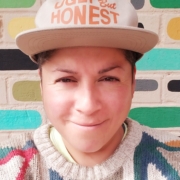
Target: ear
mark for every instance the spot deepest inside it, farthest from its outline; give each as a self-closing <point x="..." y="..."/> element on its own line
<point x="133" y="81"/>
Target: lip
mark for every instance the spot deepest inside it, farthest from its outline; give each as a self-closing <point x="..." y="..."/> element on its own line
<point x="90" y="126"/>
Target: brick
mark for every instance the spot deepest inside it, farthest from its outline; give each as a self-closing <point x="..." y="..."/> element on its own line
<point x="150" y="22"/>
<point x="18" y="5"/>
<point x="160" y="59"/>
<point x="20" y="119"/>
<point x="147" y="7"/>
<point x="165" y="4"/>
<point x="167" y="95"/>
<point x="157" y="117"/>
<point x="14" y="59"/>
<point x="24" y="91"/>
<point x="138" y="4"/>
<point x="27" y="91"/>
<point x="173" y="28"/>
<point x="1" y="29"/>
<point x="166" y="25"/>
<point x="16" y="23"/>
<point x="148" y="96"/>
<point x="3" y="98"/>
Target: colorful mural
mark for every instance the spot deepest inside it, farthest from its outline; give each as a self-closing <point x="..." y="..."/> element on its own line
<point x="157" y="94"/>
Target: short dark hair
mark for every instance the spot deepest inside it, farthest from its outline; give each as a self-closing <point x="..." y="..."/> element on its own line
<point x="43" y="57"/>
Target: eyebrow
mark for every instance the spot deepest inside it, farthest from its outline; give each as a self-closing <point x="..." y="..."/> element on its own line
<point x="99" y="72"/>
<point x="65" y="70"/>
<point x="109" y="69"/>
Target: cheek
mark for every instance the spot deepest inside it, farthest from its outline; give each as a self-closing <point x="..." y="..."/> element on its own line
<point x="118" y="100"/>
<point x="56" y="103"/>
<point x="118" y="106"/>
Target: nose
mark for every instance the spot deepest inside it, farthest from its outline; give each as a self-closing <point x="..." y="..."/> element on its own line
<point x="87" y="100"/>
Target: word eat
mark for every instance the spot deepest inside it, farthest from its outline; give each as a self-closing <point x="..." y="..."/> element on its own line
<point x="103" y="3"/>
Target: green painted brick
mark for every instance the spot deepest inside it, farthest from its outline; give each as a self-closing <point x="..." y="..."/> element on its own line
<point x="16" y="3"/>
<point x="165" y="3"/>
<point x="160" y="59"/>
<point x="157" y="117"/>
<point x="26" y="91"/>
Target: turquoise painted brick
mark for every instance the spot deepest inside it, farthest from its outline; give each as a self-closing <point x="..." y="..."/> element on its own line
<point x="160" y="59"/>
<point x="19" y="119"/>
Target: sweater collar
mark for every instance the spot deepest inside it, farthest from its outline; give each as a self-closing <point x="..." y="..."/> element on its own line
<point x="57" y="162"/>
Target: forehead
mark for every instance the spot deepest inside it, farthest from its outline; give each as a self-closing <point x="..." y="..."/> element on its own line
<point x="85" y="55"/>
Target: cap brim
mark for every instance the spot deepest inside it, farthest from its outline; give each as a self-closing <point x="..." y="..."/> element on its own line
<point x="38" y="40"/>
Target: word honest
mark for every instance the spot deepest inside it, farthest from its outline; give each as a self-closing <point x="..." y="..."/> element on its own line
<point x="79" y="15"/>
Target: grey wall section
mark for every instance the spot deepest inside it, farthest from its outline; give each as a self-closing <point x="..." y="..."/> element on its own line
<point x="146" y="85"/>
<point x="138" y="4"/>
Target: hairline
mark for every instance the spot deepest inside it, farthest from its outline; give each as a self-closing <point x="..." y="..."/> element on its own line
<point x="43" y="57"/>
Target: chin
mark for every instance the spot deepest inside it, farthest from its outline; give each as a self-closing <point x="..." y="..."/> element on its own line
<point x="90" y="147"/>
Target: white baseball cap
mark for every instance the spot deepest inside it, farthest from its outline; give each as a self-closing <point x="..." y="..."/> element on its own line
<point x="95" y="23"/>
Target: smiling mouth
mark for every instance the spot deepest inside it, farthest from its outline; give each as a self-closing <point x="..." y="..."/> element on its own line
<point x="89" y="125"/>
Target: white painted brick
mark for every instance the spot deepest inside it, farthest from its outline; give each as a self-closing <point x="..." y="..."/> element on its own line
<point x="150" y="22"/>
<point x="1" y="28"/>
<point x="3" y="95"/>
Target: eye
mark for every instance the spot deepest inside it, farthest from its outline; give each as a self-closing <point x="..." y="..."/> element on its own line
<point x="65" y="80"/>
<point x="109" y="78"/>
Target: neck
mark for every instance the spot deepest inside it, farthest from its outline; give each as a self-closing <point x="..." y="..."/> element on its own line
<point x="91" y="159"/>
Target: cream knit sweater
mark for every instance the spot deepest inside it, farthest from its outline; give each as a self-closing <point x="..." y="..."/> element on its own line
<point x="145" y="154"/>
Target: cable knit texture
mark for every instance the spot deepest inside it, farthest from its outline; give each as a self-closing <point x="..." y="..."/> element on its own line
<point x="145" y="154"/>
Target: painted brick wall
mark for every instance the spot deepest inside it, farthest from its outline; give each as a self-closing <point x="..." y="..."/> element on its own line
<point x="157" y="97"/>
<point x="156" y="102"/>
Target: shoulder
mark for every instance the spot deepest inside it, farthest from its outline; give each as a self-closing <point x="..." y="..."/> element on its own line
<point x="17" y="154"/>
<point x="158" y="151"/>
<point x="18" y="147"/>
<point x="17" y="140"/>
<point x="155" y="135"/>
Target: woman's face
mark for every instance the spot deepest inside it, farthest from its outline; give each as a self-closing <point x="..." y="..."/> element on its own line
<point x="87" y="95"/>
